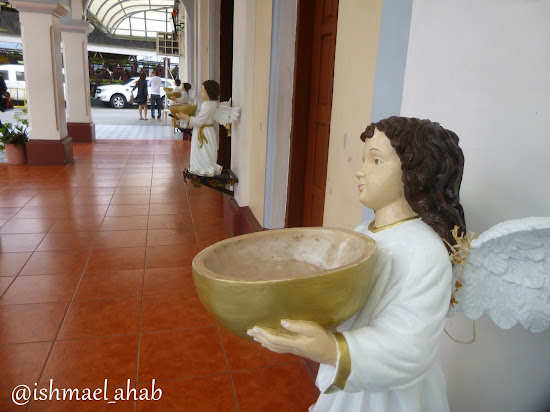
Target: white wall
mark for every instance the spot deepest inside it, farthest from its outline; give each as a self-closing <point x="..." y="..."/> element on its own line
<point x="482" y="69"/>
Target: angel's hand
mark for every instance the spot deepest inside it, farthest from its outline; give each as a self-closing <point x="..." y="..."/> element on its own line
<point x="182" y="116"/>
<point x="306" y="339"/>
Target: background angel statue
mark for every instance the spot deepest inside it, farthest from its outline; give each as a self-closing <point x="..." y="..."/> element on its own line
<point x="204" y="142"/>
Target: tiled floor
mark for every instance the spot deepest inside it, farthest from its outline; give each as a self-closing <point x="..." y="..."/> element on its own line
<point x="96" y="284"/>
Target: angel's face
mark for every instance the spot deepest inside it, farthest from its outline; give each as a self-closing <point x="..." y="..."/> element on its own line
<point x="380" y="178"/>
<point x="204" y="95"/>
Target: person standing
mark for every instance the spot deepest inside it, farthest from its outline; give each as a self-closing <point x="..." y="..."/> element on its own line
<point x="3" y="94"/>
<point x="141" y="97"/>
<point x="154" y="84"/>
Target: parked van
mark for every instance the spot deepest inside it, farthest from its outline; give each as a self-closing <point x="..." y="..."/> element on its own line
<point x="14" y="75"/>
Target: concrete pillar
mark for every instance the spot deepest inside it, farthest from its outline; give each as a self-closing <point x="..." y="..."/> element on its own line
<point x="74" y="34"/>
<point x="41" y="35"/>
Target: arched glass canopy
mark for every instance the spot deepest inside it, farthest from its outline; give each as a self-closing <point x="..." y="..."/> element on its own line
<point x="132" y="18"/>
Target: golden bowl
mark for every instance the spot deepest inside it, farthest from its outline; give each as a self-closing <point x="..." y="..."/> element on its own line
<point x="317" y="274"/>
<point x="189" y="109"/>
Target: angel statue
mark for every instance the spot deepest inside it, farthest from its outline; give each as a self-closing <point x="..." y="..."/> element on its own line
<point x="204" y="142"/>
<point x="384" y="357"/>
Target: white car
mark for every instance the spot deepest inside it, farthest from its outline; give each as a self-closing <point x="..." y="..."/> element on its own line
<point x="118" y="95"/>
<point x="14" y="76"/>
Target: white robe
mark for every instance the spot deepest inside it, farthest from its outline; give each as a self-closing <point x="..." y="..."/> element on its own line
<point x="204" y="159"/>
<point x="393" y="339"/>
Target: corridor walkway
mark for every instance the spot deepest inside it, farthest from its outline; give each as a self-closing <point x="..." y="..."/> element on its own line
<point x="95" y="284"/>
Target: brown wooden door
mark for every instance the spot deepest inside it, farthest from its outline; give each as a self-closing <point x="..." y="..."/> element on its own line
<point x="320" y="106"/>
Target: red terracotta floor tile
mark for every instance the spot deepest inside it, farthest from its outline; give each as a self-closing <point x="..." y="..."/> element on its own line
<point x="169" y="256"/>
<point x="37" y="212"/>
<point x="100" y="183"/>
<point x="141" y="175"/>
<point x="91" y="199"/>
<point x="160" y="281"/>
<point x="11" y="263"/>
<point x="14" y="201"/>
<point x="9" y="406"/>
<point x="168" y="209"/>
<point x="31" y="323"/>
<point x="77" y="224"/>
<point x="206" y="394"/>
<point x="85" y="211"/>
<point x="21" y="365"/>
<point x="128" y="210"/>
<point x="134" y="182"/>
<point x="133" y="190"/>
<point x="158" y="190"/>
<point x="20" y="242"/>
<point x="180" y="354"/>
<point x="312" y="366"/>
<point x="5" y="282"/>
<point x="115" y="284"/>
<point x="56" y="262"/>
<point x="170" y="222"/>
<point x="121" y="238"/>
<point x="277" y="388"/>
<point x="178" y="197"/>
<point x="101" y="317"/>
<point x="67" y="241"/>
<point x="50" y="201"/>
<point x="83" y="363"/>
<point x="116" y="259"/>
<point x="128" y="199"/>
<point x="124" y="223"/>
<point x="8" y="212"/>
<point x="96" y="191"/>
<point x="40" y="289"/>
<point x="244" y="354"/>
<point x="165" y="237"/>
<point x="18" y="191"/>
<point x="165" y="312"/>
<point x="27" y="226"/>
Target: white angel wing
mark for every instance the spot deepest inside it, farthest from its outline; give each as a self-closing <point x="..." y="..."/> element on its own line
<point x="226" y="114"/>
<point x="507" y="275"/>
<point x="192" y="94"/>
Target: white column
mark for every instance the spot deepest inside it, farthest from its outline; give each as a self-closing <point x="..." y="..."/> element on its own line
<point x="41" y="37"/>
<point x="74" y="34"/>
<point x="243" y="93"/>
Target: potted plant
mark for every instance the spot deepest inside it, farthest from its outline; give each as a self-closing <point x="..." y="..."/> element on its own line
<point x="13" y="137"/>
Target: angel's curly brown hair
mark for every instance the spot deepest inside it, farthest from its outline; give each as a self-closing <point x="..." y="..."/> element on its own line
<point x="212" y="88"/>
<point x="432" y="165"/>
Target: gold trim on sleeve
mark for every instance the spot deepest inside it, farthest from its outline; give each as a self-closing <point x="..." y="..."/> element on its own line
<point x="343" y="365"/>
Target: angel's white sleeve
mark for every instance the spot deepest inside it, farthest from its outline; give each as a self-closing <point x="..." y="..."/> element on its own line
<point x="201" y="118"/>
<point x="399" y="345"/>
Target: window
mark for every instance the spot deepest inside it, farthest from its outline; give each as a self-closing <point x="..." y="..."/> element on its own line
<point x="20" y="76"/>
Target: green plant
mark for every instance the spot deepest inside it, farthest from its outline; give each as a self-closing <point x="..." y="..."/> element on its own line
<point x="15" y="133"/>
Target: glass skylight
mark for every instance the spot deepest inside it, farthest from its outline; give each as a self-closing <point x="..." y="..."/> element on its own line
<point x="132" y="18"/>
